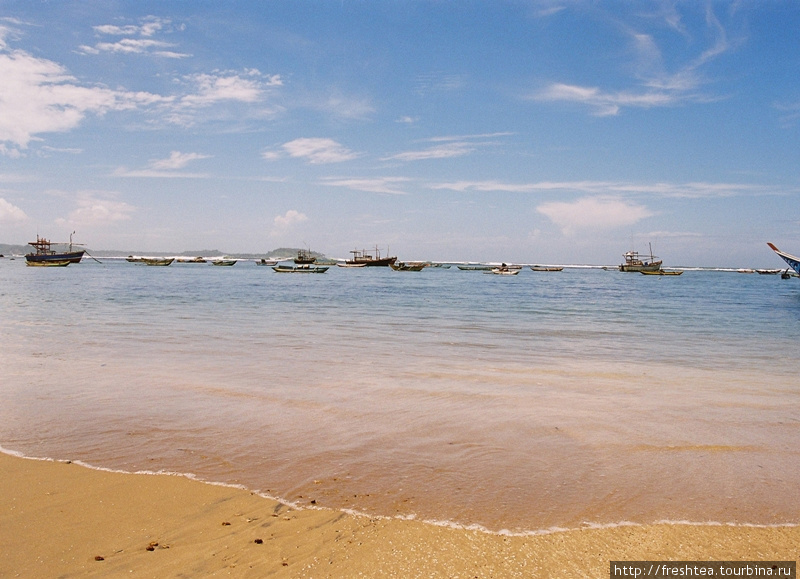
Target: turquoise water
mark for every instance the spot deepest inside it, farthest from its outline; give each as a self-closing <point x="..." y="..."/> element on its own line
<point x="547" y="399"/>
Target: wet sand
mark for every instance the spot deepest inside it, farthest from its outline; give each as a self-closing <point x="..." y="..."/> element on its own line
<point x="60" y="519"/>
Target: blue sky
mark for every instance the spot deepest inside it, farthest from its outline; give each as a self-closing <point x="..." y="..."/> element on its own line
<point x="553" y="132"/>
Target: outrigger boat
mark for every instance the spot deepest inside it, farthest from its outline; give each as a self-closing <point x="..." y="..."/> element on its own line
<point x="402" y="266"/>
<point x="546" y="268"/>
<point x="162" y="261"/>
<point x="794" y="262"/>
<point x="304" y="268"/>
<point x="635" y="263"/>
<point x="61" y="263"/>
<point x="662" y="272"/>
<point x="45" y="253"/>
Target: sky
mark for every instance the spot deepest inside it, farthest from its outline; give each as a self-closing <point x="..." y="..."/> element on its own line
<point x="563" y="132"/>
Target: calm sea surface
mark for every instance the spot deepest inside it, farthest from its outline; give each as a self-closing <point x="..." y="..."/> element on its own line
<point x="517" y="403"/>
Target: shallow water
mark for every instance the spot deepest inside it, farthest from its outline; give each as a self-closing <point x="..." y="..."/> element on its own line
<point x="547" y="399"/>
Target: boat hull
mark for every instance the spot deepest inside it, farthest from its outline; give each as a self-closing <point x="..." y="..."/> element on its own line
<point x="300" y="269"/>
<point x="68" y="256"/>
<point x="794" y="262"/>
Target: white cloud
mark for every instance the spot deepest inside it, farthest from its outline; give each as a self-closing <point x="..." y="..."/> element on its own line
<point x="669" y="190"/>
<point x="176" y="160"/>
<point x="377" y="185"/>
<point x="141" y="45"/>
<point x="11" y="213"/>
<point x="604" y="103"/>
<point x="444" y="151"/>
<point x="222" y="86"/>
<point x="39" y="96"/>
<point x="96" y="210"/>
<point x="289" y="219"/>
<point x="593" y="213"/>
<point x="319" y="150"/>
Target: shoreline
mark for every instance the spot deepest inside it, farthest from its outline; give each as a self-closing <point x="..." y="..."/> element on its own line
<point x="57" y="517"/>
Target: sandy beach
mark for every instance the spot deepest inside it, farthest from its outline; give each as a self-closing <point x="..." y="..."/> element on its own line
<point x="60" y="519"/>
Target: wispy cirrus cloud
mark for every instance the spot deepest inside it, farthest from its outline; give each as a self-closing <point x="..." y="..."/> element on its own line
<point x="176" y="160"/>
<point x="138" y="39"/>
<point x="654" y="85"/>
<point x="11" y="213"/>
<point x="692" y="190"/>
<point x="448" y="147"/>
<point x="314" y="150"/>
<point x="387" y="185"/>
<point x="593" y="213"/>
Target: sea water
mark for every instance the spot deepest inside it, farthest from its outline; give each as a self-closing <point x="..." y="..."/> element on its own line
<point x="509" y="403"/>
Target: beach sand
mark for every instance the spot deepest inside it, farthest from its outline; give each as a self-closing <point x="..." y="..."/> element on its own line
<point x="57" y="519"/>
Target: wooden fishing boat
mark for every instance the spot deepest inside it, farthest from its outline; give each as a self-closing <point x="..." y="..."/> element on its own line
<point x="44" y="252"/>
<point x="304" y="268"/>
<point x="794" y="262"/>
<point x="662" y="272"/>
<point x="224" y="262"/>
<point x="634" y="262"/>
<point x="402" y="266"/>
<point x="304" y="257"/>
<point x="162" y="261"/>
<point x="190" y="260"/>
<point x="370" y="258"/>
<point x="269" y="262"/>
<point x="475" y="267"/>
<point x="346" y="264"/>
<point x="50" y="263"/>
<point x="501" y="271"/>
<point x="768" y="271"/>
<point x="546" y="268"/>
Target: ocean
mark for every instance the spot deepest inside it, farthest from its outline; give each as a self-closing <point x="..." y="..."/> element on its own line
<point x="513" y="404"/>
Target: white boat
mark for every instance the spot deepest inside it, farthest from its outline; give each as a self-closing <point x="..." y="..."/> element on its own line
<point x="303" y="268"/>
<point x="346" y="264"/>
<point x="794" y="262"/>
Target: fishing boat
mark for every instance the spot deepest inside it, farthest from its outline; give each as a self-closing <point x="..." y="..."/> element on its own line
<point x="162" y="261"/>
<point x="633" y="262"/>
<point x="269" y="262"/>
<point x="225" y="262"/>
<point x="50" y="263"/>
<point x="370" y="258"/>
<point x="303" y="268"/>
<point x="768" y="271"/>
<point x="346" y="264"/>
<point x="505" y="270"/>
<point x="546" y="268"/>
<point x="134" y="259"/>
<point x="475" y="267"/>
<point x="794" y="262"/>
<point x="403" y="266"/>
<point x="44" y="252"/>
<point x="304" y="257"/>
<point x="662" y="272"/>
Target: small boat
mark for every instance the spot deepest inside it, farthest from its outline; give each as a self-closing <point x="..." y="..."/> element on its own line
<point x="546" y="268"/>
<point x="163" y="261"/>
<point x="269" y="262"/>
<point x="662" y="272"/>
<point x="304" y="257"/>
<point x="304" y="268"/>
<point x="441" y="265"/>
<point x="475" y="267"/>
<point x="346" y="264"/>
<point x="227" y="262"/>
<point x="505" y="270"/>
<point x="794" y="262"/>
<point x="45" y="253"/>
<point x="50" y="263"/>
<point x="190" y="260"/>
<point x="370" y="258"/>
<point x="134" y="259"/>
<point x="633" y="262"/>
<point x="403" y="266"/>
<point x="768" y="271"/>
